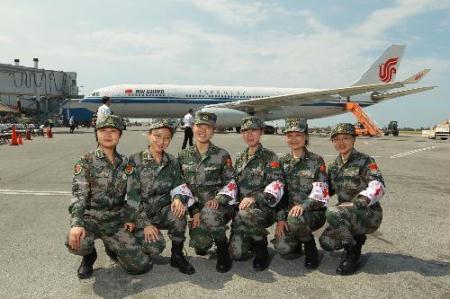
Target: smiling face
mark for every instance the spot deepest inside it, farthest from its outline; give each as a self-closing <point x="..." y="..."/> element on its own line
<point x="159" y="139"/>
<point x="343" y="143"/>
<point x="252" y="137"/>
<point x="296" y="140"/>
<point x="108" y="137"/>
<point x="203" y="133"/>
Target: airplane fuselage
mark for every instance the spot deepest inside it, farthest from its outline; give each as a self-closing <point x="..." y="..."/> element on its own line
<point x="151" y="101"/>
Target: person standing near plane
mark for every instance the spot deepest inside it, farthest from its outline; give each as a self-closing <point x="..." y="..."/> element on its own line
<point x="260" y="184"/>
<point x="72" y="124"/>
<point x="307" y="195"/>
<point x="98" y="208"/>
<point x="208" y="171"/>
<point x="163" y="197"/>
<point x="357" y="181"/>
<point x="104" y="110"/>
<point x="188" y="121"/>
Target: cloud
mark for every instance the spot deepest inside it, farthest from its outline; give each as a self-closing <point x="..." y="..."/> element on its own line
<point x="380" y="20"/>
<point x="233" y="12"/>
<point x="5" y="40"/>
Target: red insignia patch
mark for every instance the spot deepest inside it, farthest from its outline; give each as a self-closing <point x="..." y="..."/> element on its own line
<point x="231" y="186"/>
<point x="323" y="168"/>
<point x="274" y="164"/>
<point x="77" y="169"/>
<point x="129" y="169"/>
<point x="373" y="166"/>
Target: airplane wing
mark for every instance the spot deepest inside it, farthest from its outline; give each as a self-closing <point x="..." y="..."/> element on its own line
<point x="395" y="94"/>
<point x="268" y="103"/>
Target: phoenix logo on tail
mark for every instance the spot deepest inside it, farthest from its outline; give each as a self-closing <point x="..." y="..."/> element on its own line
<point x="387" y="69"/>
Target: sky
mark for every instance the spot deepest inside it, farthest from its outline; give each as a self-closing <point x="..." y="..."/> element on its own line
<point x="313" y="44"/>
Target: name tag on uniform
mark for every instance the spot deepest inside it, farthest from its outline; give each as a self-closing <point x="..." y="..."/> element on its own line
<point x="351" y="171"/>
<point x="306" y="173"/>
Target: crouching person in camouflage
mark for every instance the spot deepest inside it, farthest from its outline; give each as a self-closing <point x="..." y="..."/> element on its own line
<point x="260" y="184"/>
<point x="158" y="186"/>
<point x="307" y="194"/>
<point x="98" y="208"/>
<point x="358" y="184"/>
<point x="208" y="171"/>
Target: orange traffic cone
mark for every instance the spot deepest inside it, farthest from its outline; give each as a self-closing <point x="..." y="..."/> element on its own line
<point x="14" y="136"/>
<point x="28" y="134"/>
<point x="49" y="132"/>
<point x="19" y="139"/>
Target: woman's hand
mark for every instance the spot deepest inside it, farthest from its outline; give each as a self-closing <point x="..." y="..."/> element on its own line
<point x="296" y="211"/>
<point x="281" y="227"/>
<point x="246" y="202"/>
<point x="195" y="220"/>
<point x="178" y="208"/>
<point x="76" y="235"/>
<point x="212" y="204"/>
<point x="151" y="233"/>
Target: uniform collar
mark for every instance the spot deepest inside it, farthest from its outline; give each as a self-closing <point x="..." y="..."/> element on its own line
<point x="211" y="150"/>
<point x="147" y="157"/>
<point x="353" y="154"/>
<point x="100" y="155"/>
<point x="257" y="152"/>
<point x="305" y="156"/>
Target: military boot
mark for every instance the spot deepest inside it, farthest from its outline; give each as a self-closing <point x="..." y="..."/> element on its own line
<point x="349" y="260"/>
<point x="298" y="252"/>
<point x="85" y="270"/>
<point x="311" y="254"/>
<point x="360" y="240"/>
<point x="178" y="260"/>
<point x="201" y="252"/>
<point x="112" y="255"/>
<point x="223" y="257"/>
<point x="261" y="260"/>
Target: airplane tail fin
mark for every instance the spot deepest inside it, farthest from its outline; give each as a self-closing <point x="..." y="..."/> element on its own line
<point x="384" y="69"/>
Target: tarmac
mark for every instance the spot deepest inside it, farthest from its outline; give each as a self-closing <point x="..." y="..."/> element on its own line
<point x="408" y="257"/>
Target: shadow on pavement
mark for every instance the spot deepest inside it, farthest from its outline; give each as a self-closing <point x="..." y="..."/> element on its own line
<point x="383" y="263"/>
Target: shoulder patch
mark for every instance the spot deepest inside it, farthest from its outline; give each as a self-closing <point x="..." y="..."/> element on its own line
<point x="274" y="164"/>
<point x="77" y="169"/>
<point x="129" y="169"/>
<point x="373" y="166"/>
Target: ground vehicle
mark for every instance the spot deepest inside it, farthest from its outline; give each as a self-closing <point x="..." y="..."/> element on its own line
<point x="441" y="131"/>
<point x="392" y="128"/>
<point x="365" y="125"/>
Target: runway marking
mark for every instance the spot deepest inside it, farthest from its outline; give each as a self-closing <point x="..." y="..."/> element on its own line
<point x="37" y="193"/>
<point x="412" y="152"/>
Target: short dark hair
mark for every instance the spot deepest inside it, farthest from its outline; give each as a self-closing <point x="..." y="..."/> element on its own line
<point x="190" y="110"/>
<point x="105" y="99"/>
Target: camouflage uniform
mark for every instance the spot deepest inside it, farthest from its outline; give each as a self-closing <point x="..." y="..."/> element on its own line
<point x="151" y="186"/>
<point x="253" y="175"/>
<point x="358" y="180"/>
<point x="99" y="206"/>
<point x="300" y="176"/>
<point x="206" y="175"/>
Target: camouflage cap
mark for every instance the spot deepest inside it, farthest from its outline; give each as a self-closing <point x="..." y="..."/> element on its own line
<point x="296" y="125"/>
<point x="343" y="128"/>
<point x="251" y="123"/>
<point x="206" y="118"/>
<point x="159" y="123"/>
<point x="110" y="121"/>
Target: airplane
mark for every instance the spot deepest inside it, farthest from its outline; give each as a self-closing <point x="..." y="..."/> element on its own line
<point x="232" y="103"/>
